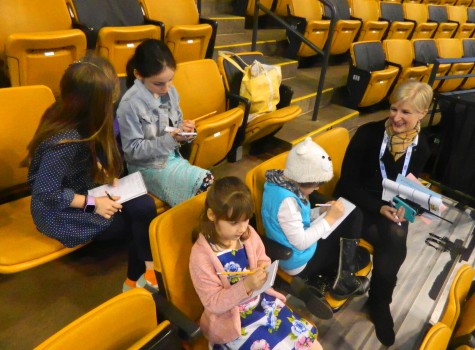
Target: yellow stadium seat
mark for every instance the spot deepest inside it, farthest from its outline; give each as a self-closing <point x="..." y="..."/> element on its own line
<point x="189" y="36"/>
<point x="203" y="99"/>
<point x="38" y="42"/>
<point x="393" y="13"/>
<point x="439" y="14"/>
<point x="263" y="125"/>
<point x="401" y="51"/>
<point x="113" y="29"/>
<point x="459" y="14"/>
<point x="371" y="77"/>
<point x="127" y="321"/>
<point x="420" y="16"/>
<point x="367" y="11"/>
<point x="21" y="245"/>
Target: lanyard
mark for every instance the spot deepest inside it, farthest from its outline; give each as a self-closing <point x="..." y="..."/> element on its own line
<point x="406" y="160"/>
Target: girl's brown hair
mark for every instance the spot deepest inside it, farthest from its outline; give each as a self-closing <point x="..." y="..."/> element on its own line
<point x="230" y="200"/>
<point x="88" y="89"/>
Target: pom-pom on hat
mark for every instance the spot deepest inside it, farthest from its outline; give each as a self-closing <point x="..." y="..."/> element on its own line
<point x="308" y="162"/>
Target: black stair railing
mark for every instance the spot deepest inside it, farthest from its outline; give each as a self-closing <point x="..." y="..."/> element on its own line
<point x="325" y="52"/>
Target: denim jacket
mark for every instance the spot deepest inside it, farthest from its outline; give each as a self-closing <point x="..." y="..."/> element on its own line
<point x="142" y="122"/>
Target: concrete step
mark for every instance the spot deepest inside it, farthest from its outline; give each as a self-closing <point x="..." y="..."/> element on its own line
<point x="229" y="24"/>
<point x="210" y="8"/>
<point x="329" y="116"/>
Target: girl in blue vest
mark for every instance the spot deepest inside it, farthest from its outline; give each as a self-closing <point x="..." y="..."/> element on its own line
<point x="317" y="247"/>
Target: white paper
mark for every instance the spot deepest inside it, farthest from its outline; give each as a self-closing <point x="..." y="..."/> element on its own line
<point x="348" y="209"/>
<point x="425" y="200"/>
<point x="129" y="187"/>
<point x="271" y="273"/>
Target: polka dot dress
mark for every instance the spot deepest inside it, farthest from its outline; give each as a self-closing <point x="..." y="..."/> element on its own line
<point x="56" y="173"/>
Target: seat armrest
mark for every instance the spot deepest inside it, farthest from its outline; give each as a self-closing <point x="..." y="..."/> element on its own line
<point x="159" y="24"/>
<point x="235" y="100"/>
<point x="275" y="250"/>
<point x="187" y="329"/>
<point x="91" y="33"/>
<point x="212" y="39"/>
<point x="286" y="93"/>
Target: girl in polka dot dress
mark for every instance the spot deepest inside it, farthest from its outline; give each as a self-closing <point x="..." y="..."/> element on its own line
<point x="228" y="244"/>
<point x="74" y="150"/>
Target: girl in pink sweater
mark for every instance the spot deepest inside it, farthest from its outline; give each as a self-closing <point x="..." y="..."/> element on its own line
<point x="227" y="243"/>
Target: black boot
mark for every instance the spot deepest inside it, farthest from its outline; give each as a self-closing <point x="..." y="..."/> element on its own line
<point x="346" y="283"/>
<point x="315" y="303"/>
<point x="380" y="297"/>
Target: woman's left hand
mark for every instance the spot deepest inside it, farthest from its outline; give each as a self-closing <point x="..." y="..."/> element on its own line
<point x="186" y="126"/>
<point x="393" y="214"/>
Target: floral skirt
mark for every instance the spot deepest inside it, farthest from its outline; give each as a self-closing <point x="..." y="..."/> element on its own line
<point x="267" y="323"/>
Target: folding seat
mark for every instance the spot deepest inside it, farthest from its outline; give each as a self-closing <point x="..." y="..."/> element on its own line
<point x="393" y="13"/>
<point x="401" y="52"/>
<point x="439" y="15"/>
<point x="189" y="36"/>
<point x="22" y="246"/>
<point x="335" y="142"/>
<point x="370" y="77"/>
<point x="367" y="11"/>
<point x="418" y="14"/>
<point x="306" y="17"/>
<point x="113" y="28"/>
<point x="425" y="52"/>
<point x="452" y="48"/>
<point x="203" y="99"/>
<point x="263" y="125"/>
<point x="440" y="334"/>
<point x="346" y="28"/>
<point x="468" y="45"/>
<point x="465" y="3"/>
<point x="137" y="329"/>
<point x="459" y="14"/>
<point x="38" y="42"/>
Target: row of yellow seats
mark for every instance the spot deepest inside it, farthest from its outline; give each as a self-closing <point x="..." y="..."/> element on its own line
<point x="38" y="40"/>
<point x="456" y="327"/>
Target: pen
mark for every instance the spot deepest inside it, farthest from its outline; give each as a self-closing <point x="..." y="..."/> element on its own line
<point x="110" y="197"/>
<point x="235" y="273"/>
<point x="323" y="205"/>
<point x="397" y="218"/>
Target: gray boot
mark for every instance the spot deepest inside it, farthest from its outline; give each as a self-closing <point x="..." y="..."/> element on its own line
<point x="346" y="283"/>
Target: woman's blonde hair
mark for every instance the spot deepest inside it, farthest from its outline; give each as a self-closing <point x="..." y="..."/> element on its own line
<point x="88" y="90"/>
<point x="418" y="94"/>
<point x="230" y="200"/>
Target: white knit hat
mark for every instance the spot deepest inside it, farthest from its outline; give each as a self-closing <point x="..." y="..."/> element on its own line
<point x="308" y="162"/>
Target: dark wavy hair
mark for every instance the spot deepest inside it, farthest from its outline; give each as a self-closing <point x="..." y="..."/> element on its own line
<point x="151" y="57"/>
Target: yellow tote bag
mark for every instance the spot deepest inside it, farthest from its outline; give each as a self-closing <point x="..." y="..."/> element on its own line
<point x="260" y="84"/>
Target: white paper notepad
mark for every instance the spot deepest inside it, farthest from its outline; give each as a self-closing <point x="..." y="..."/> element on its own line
<point x="129" y="187"/>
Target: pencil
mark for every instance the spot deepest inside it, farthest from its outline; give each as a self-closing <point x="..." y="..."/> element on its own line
<point x="235" y="273"/>
<point x="110" y="197"/>
<point x="323" y="205"/>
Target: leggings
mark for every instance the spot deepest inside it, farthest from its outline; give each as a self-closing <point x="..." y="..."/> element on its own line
<point x="389" y="242"/>
<point x="326" y="258"/>
<point x="133" y="224"/>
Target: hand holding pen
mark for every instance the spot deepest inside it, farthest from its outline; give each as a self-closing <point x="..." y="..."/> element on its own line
<point x="115" y="198"/>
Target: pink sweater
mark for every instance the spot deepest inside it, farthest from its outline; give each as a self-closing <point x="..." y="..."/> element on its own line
<point x="221" y="322"/>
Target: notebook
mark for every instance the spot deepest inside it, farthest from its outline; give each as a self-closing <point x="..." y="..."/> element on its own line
<point x="348" y="209"/>
<point x="129" y="187"/>
<point x="271" y="273"/>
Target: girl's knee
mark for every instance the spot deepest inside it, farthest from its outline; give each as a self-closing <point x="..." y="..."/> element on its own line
<point x="207" y="182"/>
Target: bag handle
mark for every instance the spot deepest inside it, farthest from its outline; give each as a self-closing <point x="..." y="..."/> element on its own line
<point x="225" y="55"/>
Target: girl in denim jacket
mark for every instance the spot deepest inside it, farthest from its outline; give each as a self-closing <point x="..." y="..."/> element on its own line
<point x="150" y="120"/>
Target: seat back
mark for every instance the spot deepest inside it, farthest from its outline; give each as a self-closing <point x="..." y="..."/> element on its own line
<point x="369" y="80"/>
<point x="21" y="109"/>
<point x="368" y="12"/>
<point x="38" y="42"/>
<point x="452" y="48"/>
<point x="439" y="14"/>
<point x="185" y="36"/>
<point x="399" y="28"/>
<point x="419" y="14"/>
<point x="459" y="14"/>
<point x="203" y="99"/>
<point x="437" y="338"/>
<point x="311" y="10"/>
<point x="334" y="142"/>
<point x="121" y="322"/>
<point x="171" y="242"/>
<point x="457" y="295"/>
<point x="21" y="245"/>
<point x="401" y="51"/>
<point x="114" y="28"/>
